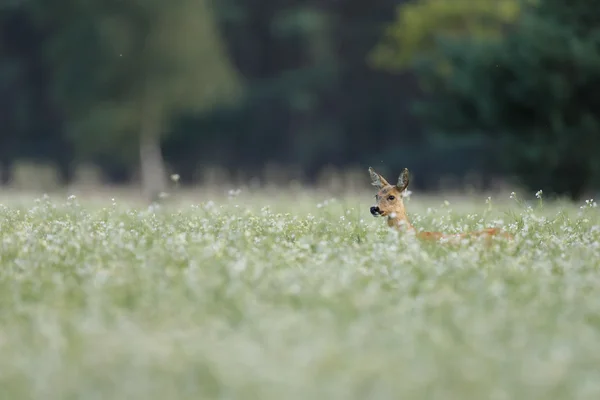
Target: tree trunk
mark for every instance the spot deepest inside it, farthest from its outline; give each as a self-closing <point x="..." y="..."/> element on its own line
<point x="5" y="171"/>
<point x="152" y="168"/>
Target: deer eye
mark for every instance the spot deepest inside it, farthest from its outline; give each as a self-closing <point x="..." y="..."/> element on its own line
<point x="390" y="198"/>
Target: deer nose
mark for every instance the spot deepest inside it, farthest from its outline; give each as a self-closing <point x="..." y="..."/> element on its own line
<point x="375" y="210"/>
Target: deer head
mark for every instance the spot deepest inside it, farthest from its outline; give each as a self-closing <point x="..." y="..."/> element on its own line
<point x="389" y="197"/>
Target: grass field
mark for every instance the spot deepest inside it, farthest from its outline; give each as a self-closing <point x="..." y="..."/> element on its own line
<point x="297" y="297"/>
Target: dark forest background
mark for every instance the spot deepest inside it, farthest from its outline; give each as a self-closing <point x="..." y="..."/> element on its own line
<point x="145" y="88"/>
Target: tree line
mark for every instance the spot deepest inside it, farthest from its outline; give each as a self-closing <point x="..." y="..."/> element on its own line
<point x="441" y="86"/>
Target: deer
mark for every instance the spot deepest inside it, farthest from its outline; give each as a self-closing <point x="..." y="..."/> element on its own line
<point x="390" y="204"/>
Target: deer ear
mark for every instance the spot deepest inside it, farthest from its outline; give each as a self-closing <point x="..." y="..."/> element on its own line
<point x="403" y="180"/>
<point x="377" y="180"/>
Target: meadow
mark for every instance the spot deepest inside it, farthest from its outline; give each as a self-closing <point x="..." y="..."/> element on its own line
<point x="296" y="296"/>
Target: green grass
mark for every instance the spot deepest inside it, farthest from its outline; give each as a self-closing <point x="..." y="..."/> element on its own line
<point x="257" y="297"/>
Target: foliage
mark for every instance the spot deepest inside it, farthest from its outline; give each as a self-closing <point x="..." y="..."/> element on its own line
<point x="534" y="93"/>
<point x="419" y="23"/>
<point x="256" y="298"/>
<point x="310" y="99"/>
<point x="117" y="63"/>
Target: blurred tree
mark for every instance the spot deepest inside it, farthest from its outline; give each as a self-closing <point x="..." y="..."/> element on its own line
<point x="286" y="51"/>
<point x="311" y="99"/>
<point x="414" y="35"/>
<point x="31" y="124"/>
<point x="535" y="92"/>
<point x="123" y="70"/>
<point x="311" y="95"/>
<point x="418" y="23"/>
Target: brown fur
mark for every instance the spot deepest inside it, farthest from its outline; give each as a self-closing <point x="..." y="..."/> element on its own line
<point x="391" y="205"/>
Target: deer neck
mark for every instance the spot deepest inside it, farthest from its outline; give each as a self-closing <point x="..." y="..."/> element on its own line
<point x="399" y="220"/>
